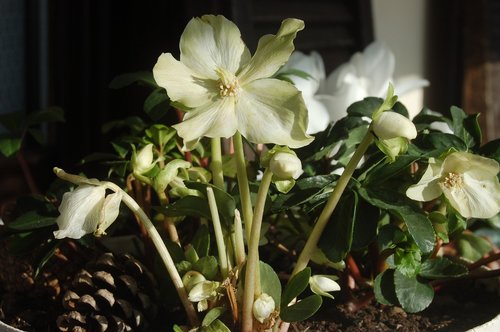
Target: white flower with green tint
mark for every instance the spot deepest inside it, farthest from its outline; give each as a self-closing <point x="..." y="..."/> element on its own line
<point x="263" y="307"/>
<point x="469" y="183"/>
<point x="224" y="89"/>
<point x="87" y="210"/>
<point x="322" y="284"/>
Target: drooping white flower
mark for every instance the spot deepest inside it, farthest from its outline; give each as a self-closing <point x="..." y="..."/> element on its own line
<point x="87" y="210"/>
<point x="313" y="66"/>
<point x="366" y="74"/>
<point x="322" y="284"/>
<point x="202" y="292"/>
<point x="263" y="307"/>
<point x="226" y="90"/>
<point x="469" y="183"/>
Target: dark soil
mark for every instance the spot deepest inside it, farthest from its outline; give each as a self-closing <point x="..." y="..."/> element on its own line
<point x="32" y="304"/>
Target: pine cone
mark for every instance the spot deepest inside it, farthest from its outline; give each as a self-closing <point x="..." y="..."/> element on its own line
<point x="113" y="293"/>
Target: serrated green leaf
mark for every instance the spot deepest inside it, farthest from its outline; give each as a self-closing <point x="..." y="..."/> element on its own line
<point x="471" y="246"/>
<point x="407" y="261"/>
<point x="9" y="146"/>
<point x="31" y="220"/>
<point x="160" y="134"/>
<point x="301" y="310"/>
<point x="295" y="286"/>
<point x="212" y="315"/>
<point x="384" y="289"/>
<point x="413" y="295"/>
<point x="442" y="267"/>
<point x="466" y="127"/>
<point x="141" y="77"/>
<point x="385" y="171"/>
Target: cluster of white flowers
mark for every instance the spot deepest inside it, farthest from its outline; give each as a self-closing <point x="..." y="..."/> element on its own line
<point x="366" y="74"/>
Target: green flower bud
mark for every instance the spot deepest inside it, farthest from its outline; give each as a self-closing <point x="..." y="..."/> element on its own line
<point x="142" y="161"/>
<point x="263" y="307"/>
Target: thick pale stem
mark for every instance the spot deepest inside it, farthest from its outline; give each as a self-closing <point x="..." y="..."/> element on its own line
<point x="239" y="245"/>
<point x="312" y="240"/>
<point x="168" y="222"/>
<point x="219" y="237"/>
<point x="153" y="233"/>
<point x="252" y="275"/>
<point x="246" y="202"/>
<point x="216" y="164"/>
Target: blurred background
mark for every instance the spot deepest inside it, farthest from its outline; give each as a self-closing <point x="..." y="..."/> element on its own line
<point x="65" y="53"/>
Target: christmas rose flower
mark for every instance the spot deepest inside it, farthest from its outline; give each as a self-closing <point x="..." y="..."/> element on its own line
<point x="469" y="183"/>
<point x="225" y="90"/>
<point x="323" y="284"/>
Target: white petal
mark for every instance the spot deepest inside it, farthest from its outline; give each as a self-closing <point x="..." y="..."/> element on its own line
<point x="75" y="208"/>
<point x="214" y="119"/>
<point x="212" y="42"/>
<point x="408" y="83"/>
<point x="318" y="115"/>
<point x="336" y="106"/>
<point x="272" y="52"/>
<point x="479" y="167"/>
<point x="109" y="212"/>
<point x="272" y="111"/>
<point x="182" y="84"/>
<point x="322" y="284"/>
<point x="428" y="187"/>
<point x="441" y="126"/>
<point x="311" y="64"/>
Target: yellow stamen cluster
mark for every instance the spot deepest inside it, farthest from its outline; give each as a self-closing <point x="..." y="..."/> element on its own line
<point x="229" y="89"/>
<point x="453" y="180"/>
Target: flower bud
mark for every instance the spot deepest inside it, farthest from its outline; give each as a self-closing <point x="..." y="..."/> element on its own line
<point x="263" y="307"/>
<point x="390" y="125"/>
<point x="191" y="278"/>
<point x="322" y="284"/>
<point x="285" y="165"/>
<point x="142" y="161"/>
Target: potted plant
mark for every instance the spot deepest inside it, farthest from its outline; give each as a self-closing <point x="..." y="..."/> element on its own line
<point x="244" y="220"/>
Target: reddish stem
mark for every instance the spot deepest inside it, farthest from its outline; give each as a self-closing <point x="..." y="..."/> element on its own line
<point x="354" y="269"/>
<point x="484" y="261"/>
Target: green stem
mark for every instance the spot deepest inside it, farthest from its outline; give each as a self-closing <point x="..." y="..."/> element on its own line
<point x="216" y="164"/>
<point x="246" y="202"/>
<point x="153" y="233"/>
<point x="312" y="240"/>
<point x="252" y="278"/>
<point x="219" y="237"/>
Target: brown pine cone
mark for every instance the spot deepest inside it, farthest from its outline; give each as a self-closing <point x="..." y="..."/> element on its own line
<point x="113" y="293"/>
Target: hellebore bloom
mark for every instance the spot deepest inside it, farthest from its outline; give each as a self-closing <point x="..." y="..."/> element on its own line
<point x="202" y="292"/>
<point x="366" y="74"/>
<point x="226" y="90"/>
<point x="87" y="210"/>
<point x="469" y="183"/>
<point x="313" y="66"/>
<point x="322" y="284"/>
<point x="263" y="307"/>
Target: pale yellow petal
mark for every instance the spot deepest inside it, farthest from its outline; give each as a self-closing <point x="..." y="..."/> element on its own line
<point x="182" y="84"/>
<point x="428" y="187"/>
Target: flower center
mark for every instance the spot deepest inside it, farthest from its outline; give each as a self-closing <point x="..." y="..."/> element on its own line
<point x="229" y="89"/>
<point x="453" y="180"/>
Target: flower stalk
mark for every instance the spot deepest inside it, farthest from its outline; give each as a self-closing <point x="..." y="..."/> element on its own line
<point x="243" y="187"/>
<point x="219" y="237"/>
<point x="216" y="164"/>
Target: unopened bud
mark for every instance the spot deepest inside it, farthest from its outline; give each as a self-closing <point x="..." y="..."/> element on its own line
<point x="392" y="125"/>
<point x="191" y="278"/>
<point x="263" y="307"/>
<point x="286" y="166"/>
<point x="142" y="161"/>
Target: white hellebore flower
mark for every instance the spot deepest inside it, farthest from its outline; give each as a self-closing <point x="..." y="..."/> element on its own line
<point x="226" y="90"/>
<point x="366" y="74"/>
<point x="469" y="182"/>
<point x="390" y="125"/>
<point x="286" y="165"/>
<point x="86" y="210"/>
<point x="202" y="292"/>
<point x="263" y="307"/>
<point x="312" y="65"/>
<point x="322" y="284"/>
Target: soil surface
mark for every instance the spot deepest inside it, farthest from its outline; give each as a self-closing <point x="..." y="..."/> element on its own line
<point x="32" y="304"/>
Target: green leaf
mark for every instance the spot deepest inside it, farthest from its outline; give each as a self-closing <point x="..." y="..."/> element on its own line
<point x="270" y="283"/>
<point x="141" y="77"/>
<point x="384" y="289"/>
<point x="13" y="122"/>
<point x="216" y="326"/>
<point x="413" y="295"/>
<point x="207" y="266"/>
<point x="212" y="315"/>
<point x="225" y="202"/>
<point x="442" y="267"/>
<point x="491" y="150"/>
<point x="50" y="114"/>
<point x="365" y="225"/>
<point x="365" y="107"/>
<point x="442" y="141"/>
<point x="389" y="236"/>
<point x="340" y="228"/>
<point x="466" y="127"/>
<point x="160" y="134"/>
<point x="156" y="104"/>
<point x="295" y="286"/>
<point x="187" y="206"/>
<point x="407" y="261"/>
<point x="471" y="246"/>
<point x="201" y="241"/>
<point x="419" y="226"/>
<point x="31" y="220"/>
<point x="9" y="146"/>
<point x="301" y="310"/>
<point x="49" y="252"/>
<point x="385" y="171"/>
